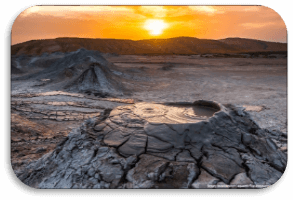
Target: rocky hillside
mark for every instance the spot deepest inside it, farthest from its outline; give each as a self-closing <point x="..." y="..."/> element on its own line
<point x="179" y="45"/>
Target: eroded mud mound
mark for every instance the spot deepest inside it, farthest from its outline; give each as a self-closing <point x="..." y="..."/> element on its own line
<point x="33" y="63"/>
<point x="96" y="79"/>
<point x="15" y="70"/>
<point x="79" y="71"/>
<point x="77" y="59"/>
<point x="146" y="145"/>
<point x="167" y="67"/>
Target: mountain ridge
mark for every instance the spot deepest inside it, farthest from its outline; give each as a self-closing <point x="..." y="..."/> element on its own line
<point x="177" y="45"/>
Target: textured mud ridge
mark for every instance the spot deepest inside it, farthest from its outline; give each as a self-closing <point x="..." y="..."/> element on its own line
<point x="176" y="145"/>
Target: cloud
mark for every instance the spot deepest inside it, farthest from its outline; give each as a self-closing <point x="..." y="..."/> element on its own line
<point x="149" y="11"/>
<point x="251" y="8"/>
<point x="140" y="11"/>
<point x="161" y="11"/>
<point x="257" y="25"/>
<point x="241" y="9"/>
<point x="72" y="11"/>
<point x="210" y="10"/>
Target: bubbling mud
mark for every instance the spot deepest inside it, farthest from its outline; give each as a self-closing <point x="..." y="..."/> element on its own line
<point x="149" y="110"/>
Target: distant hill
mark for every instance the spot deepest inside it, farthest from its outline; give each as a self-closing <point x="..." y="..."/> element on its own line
<point x="254" y="45"/>
<point x="179" y="45"/>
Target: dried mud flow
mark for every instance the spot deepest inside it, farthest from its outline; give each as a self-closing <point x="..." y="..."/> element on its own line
<point x="83" y="119"/>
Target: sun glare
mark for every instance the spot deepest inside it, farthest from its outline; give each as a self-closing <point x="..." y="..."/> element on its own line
<point x="155" y="26"/>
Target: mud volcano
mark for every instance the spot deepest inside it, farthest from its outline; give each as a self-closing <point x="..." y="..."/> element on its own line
<point x="81" y="71"/>
<point x="172" y="145"/>
<point x="96" y="79"/>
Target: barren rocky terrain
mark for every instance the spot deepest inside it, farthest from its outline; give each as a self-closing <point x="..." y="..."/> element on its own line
<point x="84" y="119"/>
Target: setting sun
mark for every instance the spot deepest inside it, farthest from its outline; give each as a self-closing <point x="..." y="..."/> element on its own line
<point x="155" y="26"/>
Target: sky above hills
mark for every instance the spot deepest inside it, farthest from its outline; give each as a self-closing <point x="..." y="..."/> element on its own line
<point x="147" y="22"/>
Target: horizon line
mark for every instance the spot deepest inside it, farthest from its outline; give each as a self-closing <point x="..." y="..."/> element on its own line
<point x="147" y="39"/>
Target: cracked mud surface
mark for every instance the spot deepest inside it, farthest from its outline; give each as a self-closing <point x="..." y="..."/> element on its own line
<point x="104" y="129"/>
<point x="129" y="148"/>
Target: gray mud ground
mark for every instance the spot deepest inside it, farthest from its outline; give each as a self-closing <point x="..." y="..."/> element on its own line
<point x="41" y="118"/>
<point x="242" y="81"/>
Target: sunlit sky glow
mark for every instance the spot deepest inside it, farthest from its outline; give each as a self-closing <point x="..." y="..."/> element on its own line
<point x="146" y="22"/>
<point x="155" y="26"/>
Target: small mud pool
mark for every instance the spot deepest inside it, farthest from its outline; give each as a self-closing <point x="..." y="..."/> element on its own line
<point x="199" y="111"/>
<point x="190" y="113"/>
<point x="177" y="113"/>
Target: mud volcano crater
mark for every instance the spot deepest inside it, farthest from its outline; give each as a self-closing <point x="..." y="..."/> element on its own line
<point x="162" y="145"/>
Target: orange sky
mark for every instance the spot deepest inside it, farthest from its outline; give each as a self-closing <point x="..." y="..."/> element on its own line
<point x="128" y="22"/>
